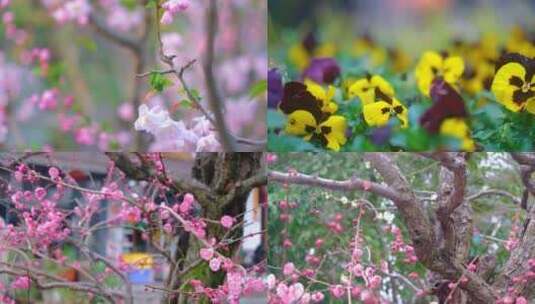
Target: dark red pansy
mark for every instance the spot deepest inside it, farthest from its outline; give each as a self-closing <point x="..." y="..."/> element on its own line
<point x="447" y="103"/>
<point x="296" y="97"/>
<point x="310" y="42"/>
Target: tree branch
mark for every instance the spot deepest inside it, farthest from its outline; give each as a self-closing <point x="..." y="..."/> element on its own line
<point x="214" y="97"/>
<point x="344" y="185"/>
<point x="130" y="43"/>
<point x="144" y="171"/>
<point x="494" y="192"/>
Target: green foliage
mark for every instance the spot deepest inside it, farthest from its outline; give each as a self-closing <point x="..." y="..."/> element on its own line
<point x="152" y="3"/>
<point x="158" y="82"/>
<point x="130" y="4"/>
<point x="258" y="88"/>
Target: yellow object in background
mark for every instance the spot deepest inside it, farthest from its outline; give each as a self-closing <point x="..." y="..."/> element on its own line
<point x="140" y="260"/>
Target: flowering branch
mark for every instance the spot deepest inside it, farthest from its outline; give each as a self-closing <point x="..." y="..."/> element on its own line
<point x="424" y="238"/>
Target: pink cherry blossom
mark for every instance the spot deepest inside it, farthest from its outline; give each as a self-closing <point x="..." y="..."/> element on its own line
<point x="288" y="269"/>
<point x="53" y="172"/>
<point x="215" y="264"/>
<point x="337" y="291"/>
<point x="317" y="297"/>
<point x="22" y="282"/>
<point x="40" y="193"/>
<point x="206" y="253"/>
<point x="227" y="221"/>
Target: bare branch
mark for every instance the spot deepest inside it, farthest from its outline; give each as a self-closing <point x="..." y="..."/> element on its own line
<point x="130" y="43"/>
<point x="494" y="192"/>
<point x="214" y="97"/>
<point x="344" y="185"/>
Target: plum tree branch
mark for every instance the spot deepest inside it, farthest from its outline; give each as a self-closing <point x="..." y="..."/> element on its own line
<point x="214" y="97"/>
<point x="144" y="171"/>
<point x="494" y="192"/>
<point x="336" y="185"/>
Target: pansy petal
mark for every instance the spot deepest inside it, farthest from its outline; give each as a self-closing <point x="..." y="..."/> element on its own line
<point x="336" y="137"/>
<point x="530" y="105"/>
<point x="430" y="61"/>
<point x="298" y="55"/>
<point x="298" y="122"/>
<point x="362" y="89"/>
<point x="377" y="113"/>
<point x="325" y="96"/>
<point x="502" y="87"/>
<point x="315" y="89"/>
<point x="457" y="127"/>
<point x="453" y="69"/>
<point x="402" y="112"/>
<point x="383" y="85"/>
<point x="331" y="107"/>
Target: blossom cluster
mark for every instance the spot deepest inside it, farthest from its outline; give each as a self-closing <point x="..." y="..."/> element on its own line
<point x="171" y="135"/>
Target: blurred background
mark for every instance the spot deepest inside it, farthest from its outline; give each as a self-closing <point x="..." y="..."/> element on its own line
<point x="414" y="25"/>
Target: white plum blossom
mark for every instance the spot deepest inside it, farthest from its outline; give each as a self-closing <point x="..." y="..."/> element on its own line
<point x="208" y="143"/>
<point x="152" y="119"/>
<point x="171" y="135"/>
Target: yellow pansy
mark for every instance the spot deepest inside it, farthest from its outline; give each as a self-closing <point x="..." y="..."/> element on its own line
<point x="365" y="46"/>
<point x="298" y="55"/>
<point x="514" y="83"/>
<point x="478" y="77"/>
<point x="331" y="132"/>
<point x="457" y="127"/>
<point x="433" y="65"/>
<point x="368" y="89"/>
<point x="327" y="49"/>
<point x="519" y="43"/>
<point x="400" y="60"/>
<point x="378" y="113"/>
<point x="325" y="96"/>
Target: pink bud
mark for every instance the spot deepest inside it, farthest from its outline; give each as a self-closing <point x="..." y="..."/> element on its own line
<point x="53" y="172"/>
<point x="206" y="253"/>
<point x="227" y="221"/>
<point x="215" y="264"/>
<point x="288" y="269"/>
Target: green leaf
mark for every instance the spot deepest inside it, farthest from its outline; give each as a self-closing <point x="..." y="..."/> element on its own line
<point x="152" y="4"/>
<point x="275" y="119"/>
<point x="186" y="103"/>
<point x="130" y="4"/>
<point x="196" y="94"/>
<point x="258" y="88"/>
<point x="285" y="143"/>
<point x="158" y="82"/>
